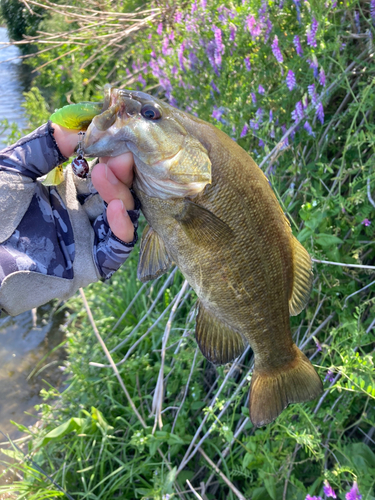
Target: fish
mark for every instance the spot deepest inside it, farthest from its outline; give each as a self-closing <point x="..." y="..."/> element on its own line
<point x="211" y="211"/>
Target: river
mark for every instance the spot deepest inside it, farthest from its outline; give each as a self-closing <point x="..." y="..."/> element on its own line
<point x="30" y="337"/>
<point x="13" y="83"/>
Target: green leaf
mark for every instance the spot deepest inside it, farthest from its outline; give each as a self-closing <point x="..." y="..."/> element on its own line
<point x="260" y="494"/>
<point x="270" y="484"/>
<point x="327" y="240"/>
<point x="74" y="424"/>
<point x="17" y="455"/>
<point x="304" y="234"/>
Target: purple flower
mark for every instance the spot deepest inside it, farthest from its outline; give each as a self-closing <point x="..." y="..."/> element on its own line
<point x="247" y="63"/>
<point x="194" y="7"/>
<point x="290" y="80"/>
<point x="276" y="50"/>
<point x="261" y="90"/>
<point x="244" y="130"/>
<point x="181" y="58"/>
<point x="298" y="113"/>
<point x="142" y="80"/>
<point x="212" y="83"/>
<point x="261" y="143"/>
<point x="311" y="33"/>
<point x="193" y="60"/>
<point x="254" y="28"/>
<point x="159" y="31"/>
<point x="178" y="17"/>
<point x="218" y="113"/>
<point x="318" y="344"/>
<point x="253" y="97"/>
<point x="330" y="376"/>
<point x="320" y="112"/>
<point x="218" y="39"/>
<point x="210" y="51"/>
<point x="232" y="32"/>
<point x="268" y="30"/>
<point x="165" y="50"/>
<point x="203" y="4"/>
<point x="271" y="116"/>
<point x="354" y="493"/>
<point x="309" y="130"/>
<point x="254" y="125"/>
<point x="328" y="490"/>
<point x="312" y="94"/>
<point x="309" y="497"/>
<point x="356" y="20"/>
<point x="366" y="222"/>
<point x="314" y="65"/>
<point x="322" y="77"/>
<point x="171" y="36"/>
<point x="372" y="9"/>
<point x="297" y="45"/>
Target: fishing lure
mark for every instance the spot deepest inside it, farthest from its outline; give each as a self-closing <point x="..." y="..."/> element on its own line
<point x="74" y="117"/>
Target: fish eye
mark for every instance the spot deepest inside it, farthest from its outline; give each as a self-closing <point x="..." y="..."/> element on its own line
<point x="150" y="112"/>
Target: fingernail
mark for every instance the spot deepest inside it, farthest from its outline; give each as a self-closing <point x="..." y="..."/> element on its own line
<point x="124" y="211"/>
<point x="110" y="176"/>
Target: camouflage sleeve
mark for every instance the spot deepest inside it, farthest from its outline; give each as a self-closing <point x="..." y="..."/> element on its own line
<point x="41" y="238"/>
<point x="34" y="155"/>
<point x="109" y="251"/>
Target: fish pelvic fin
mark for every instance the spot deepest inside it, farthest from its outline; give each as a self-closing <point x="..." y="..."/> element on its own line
<point x="302" y="278"/>
<point x="218" y="342"/>
<point x="154" y="259"/>
<point x="273" y="390"/>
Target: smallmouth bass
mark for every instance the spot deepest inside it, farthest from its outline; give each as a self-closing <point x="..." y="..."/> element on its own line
<point x="211" y="210"/>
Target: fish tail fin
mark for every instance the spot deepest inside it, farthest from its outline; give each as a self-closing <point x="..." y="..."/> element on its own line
<point x="272" y="391"/>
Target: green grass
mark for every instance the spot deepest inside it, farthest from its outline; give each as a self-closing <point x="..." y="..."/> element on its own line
<point x="90" y="440"/>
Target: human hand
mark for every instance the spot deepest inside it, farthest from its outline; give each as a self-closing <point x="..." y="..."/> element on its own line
<point x="111" y="177"/>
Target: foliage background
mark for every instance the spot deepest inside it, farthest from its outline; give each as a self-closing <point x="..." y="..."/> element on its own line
<point x="304" y="109"/>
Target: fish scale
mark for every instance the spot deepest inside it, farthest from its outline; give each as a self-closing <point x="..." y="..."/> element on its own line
<point x="212" y="211"/>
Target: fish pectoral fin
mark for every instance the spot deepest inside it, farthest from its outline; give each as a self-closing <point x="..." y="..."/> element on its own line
<point x="272" y="390"/>
<point x="218" y="342"/>
<point x="302" y="278"/>
<point x="202" y="226"/>
<point x="153" y="256"/>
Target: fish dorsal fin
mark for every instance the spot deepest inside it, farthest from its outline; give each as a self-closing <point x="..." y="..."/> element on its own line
<point x="153" y="256"/>
<point x="218" y="342"/>
<point x="302" y="278"/>
<point x="202" y="226"/>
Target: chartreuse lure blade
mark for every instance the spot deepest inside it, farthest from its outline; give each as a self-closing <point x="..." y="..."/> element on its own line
<point x="74" y="117"/>
<point x="55" y="177"/>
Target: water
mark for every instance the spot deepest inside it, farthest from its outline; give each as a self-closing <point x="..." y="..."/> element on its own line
<point x="26" y="339"/>
<point x="14" y="78"/>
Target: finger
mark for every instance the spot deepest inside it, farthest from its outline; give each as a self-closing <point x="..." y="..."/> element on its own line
<point x="66" y="139"/>
<point x="121" y="166"/>
<point x="119" y="221"/>
<point x="110" y="187"/>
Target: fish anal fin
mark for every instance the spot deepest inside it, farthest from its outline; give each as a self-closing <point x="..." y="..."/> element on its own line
<point x="272" y="391"/>
<point x="202" y="226"/>
<point x="218" y="342"/>
<point x="153" y="256"/>
<point x="302" y="278"/>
